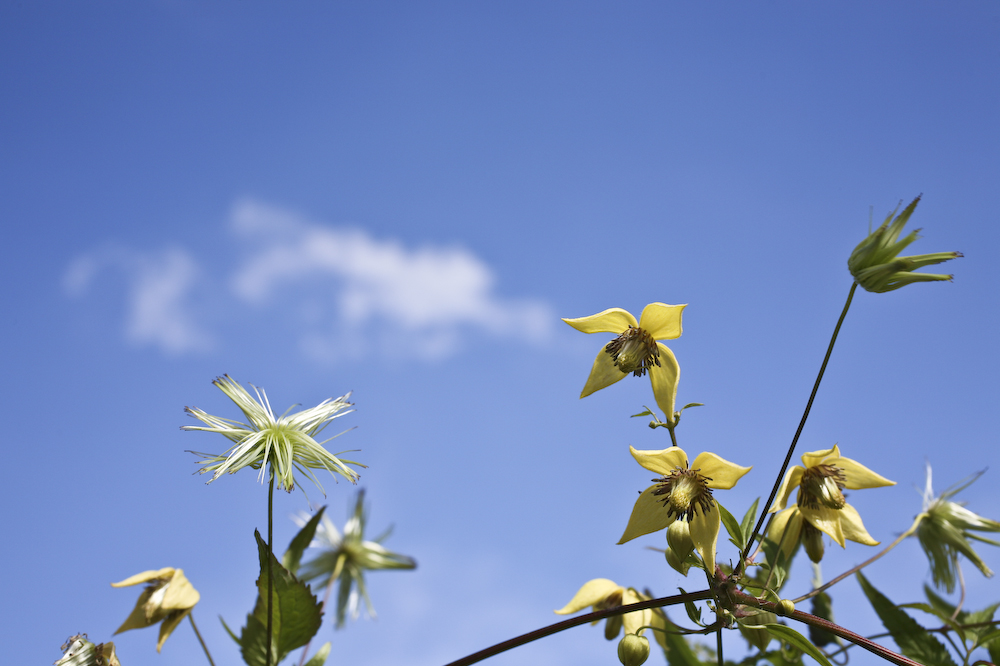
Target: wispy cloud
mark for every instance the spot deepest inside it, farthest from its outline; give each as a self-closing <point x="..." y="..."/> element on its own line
<point x="341" y="291"/>
<point x="159" y="285"/>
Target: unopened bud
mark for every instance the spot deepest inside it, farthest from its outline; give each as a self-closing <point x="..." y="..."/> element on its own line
<point x="785" y="607"/>
<point x="633" y="650"/>
<point x="812" y="540"/>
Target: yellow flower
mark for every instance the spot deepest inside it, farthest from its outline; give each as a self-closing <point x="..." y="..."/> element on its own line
<point x="636" y="350"/>
<point x="601" y="594"/>
<point x="168" y="598"/>
<point x="820" y="499"/>
<point x="683" y="493"/>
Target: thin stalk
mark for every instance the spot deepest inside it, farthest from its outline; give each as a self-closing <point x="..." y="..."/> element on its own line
<point x="798" y="431"/>
<point x="718" y="646"/>
<point x="673" y="437"/>
<point x="270" y="574"/>
<point x="326" y="597"/>
<point x="200" y="639"/>
<point x="852" y="571"/>
<point x="576" y="621"/>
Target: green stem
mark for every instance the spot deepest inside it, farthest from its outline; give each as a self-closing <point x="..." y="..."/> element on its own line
<point x="200" y="639"/>
<point x="718" y="646"/>
<point x="854" y="570"/>
<point x="798" y="431"/>
<point x="576" y="621"/>
<point x="270" y="574"/>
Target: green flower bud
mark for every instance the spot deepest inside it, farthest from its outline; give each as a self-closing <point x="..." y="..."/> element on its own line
<point x="785" y="607"/>
<point x="812" y="540"/>
<point x="752" y="627"/>
<point x="680" y="546"/>
<point x="633" y="650"/>
<point x="875" y="263"/>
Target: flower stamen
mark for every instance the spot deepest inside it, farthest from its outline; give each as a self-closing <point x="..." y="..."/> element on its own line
<point x="822" y="484"/>
<point x="685" y="491"/>
<point x="634" y="351"/>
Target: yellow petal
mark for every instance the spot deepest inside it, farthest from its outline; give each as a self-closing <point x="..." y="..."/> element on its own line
<point x="145" y="577"/>
<point x="169" y="624"/>
<point x="603" y="374"/>
<point x="180" y="593"/>
<point x="857" y="476"/>
<point x="814" y="458"/>
<point x="786" y="528"/>
<point x="648" y="515"/>
<point x="792" y="479"/>
<point x="665" y="378"/>
<point x="721" y="474"/>
<point x="662" y="462"/>
<point x="826" y="520"/>
<point x="614" y="321"/>
<point x="704" y="533"/>
<point x="637" y="619"/>
<point x="854" y="529"/>
<point x="662" y="321"/>
<point x="592" y="592"/>
<point x="138" y="618"/>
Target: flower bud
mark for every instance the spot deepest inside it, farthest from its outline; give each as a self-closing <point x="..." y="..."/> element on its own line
<point x="785" y="607"/>
<point x="812" y="540"/>
<point x="876" y="266"/>
<point x="633" y="650"/>
<point x="680" y="546"/>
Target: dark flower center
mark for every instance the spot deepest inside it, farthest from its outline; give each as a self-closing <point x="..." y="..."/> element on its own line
<point x="634" y="351"/>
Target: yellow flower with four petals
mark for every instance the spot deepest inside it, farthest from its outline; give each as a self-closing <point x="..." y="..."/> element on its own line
<point x="601" y="594"/>
<point x="636" y="350"/>
<point x="820" y="502"/>
<point x="167" y="600"/>
<point x="684" y="492"/>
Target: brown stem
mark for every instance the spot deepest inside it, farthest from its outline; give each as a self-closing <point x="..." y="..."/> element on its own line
<point x="523" y="639"/>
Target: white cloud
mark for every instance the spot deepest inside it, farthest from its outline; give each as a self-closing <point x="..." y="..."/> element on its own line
<point x="341" y="292"/>
<point x="159" y="291"/>
<point x="423" y="295"/>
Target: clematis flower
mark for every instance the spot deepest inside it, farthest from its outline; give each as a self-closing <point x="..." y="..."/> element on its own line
<point x="636" y="350"/>
<point x="285" y="443"/>
<point x="820" y="500"/>
<point x="875" y="263"/>
<point x="346" y="557"/>
<point x="945" y="530"/>
<point x="166" y="601"/>
<point x="602" y="594"/>
<point x="684" y="492"/>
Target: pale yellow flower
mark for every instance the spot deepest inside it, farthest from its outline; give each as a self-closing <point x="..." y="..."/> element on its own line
<point x="820" y="498"/>
<point x="683" y="493"/>
<point x="636" y="350"/>
<point x="167" y="600"/>
<point x="601" y="594"/>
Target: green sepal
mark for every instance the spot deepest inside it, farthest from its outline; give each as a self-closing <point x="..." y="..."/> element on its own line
<point x="319" y="658"/>
<point x="913" y="640"/>
<point x="293" y="556"/>
<point x="296" y="618"/>
<point x="797" y="640"/>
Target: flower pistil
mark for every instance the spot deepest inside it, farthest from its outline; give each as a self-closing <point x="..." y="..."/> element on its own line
<point x="634" y="351"/>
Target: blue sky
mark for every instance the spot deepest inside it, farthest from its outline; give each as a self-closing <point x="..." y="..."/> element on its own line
<point x="401" y="200"/>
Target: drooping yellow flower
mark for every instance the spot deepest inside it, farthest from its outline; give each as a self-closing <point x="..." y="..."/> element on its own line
<point x="601" y="594"/>
<point x="636" y="350"/>
<point x="821" y="499"/>
<point x="684" y="492"/>
<point x="167" y="600"/>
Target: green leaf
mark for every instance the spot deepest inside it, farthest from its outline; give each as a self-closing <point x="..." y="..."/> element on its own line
<point x="675" y="647"/>
<point x="913" y="640"/>
<point x="293" y="556"/>
<point x="794" y="638"/>
<point x="228" y="630"/>
<point x="822" y="606"/>
<point x="693" y="612"/>
<point x="645" y="412"/>
<point x="319" y="658"/>
<point x="993" y="647"/>
<point x="691" y="404"/>
<point x="746" y="525"/>
<point x="733" y="527"/>
<point x="936" y="612"/>
<point x="296" y="617"/>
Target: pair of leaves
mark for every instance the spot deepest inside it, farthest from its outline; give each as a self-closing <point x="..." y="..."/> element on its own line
<point x="297" y="614"/>
<point x="739" y="532"/>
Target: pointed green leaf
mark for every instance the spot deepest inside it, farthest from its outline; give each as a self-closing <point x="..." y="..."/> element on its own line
<point x="296" y="618"/>
<point x="644" y="412"/>
<point x="319" y="658"/>
<point x="733" y="527"/>
<point x="746" y="525"/>
<point x="693" y="612"/>
<point x="675" y="647"/>
<point x="228" y="630"/>
<point x="293" y="556"/>
<point x="913" y="640"/>
<point x="792" y="637"/>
